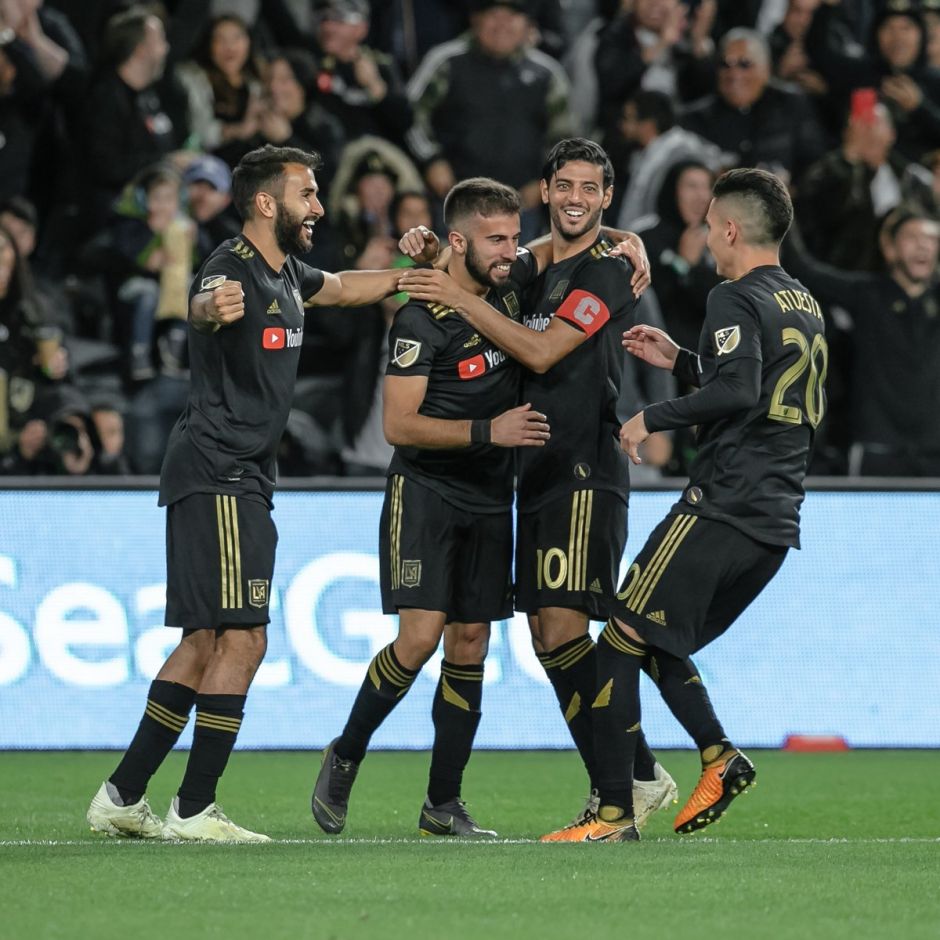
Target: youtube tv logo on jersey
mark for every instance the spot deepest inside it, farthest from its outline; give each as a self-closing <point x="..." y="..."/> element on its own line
<point x="471" y="368"/>
<point x="277" y="337"/>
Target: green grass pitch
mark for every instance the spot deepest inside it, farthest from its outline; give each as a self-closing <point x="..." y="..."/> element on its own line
<point x="827" y="845"/>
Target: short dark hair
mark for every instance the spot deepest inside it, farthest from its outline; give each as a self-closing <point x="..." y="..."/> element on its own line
<point x="262" y="169"/>
<point x="767" y="205"/>
<point x="123" y="33"/>
<point x="655" y="106"/>
<point x="578" y="148"/>
<point x="479" y="195"/>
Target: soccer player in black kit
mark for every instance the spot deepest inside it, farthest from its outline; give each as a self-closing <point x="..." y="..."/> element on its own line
<point x="451" y="409"/>
<point x="246" y="328"/>
<point x="572" y="494"/>
<point x="761" y="369"/>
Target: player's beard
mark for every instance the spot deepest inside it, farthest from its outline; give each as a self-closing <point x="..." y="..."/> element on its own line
<point x="590" y="221"/>
<point x="476" y="270"/>
<point x="288" y="232"/>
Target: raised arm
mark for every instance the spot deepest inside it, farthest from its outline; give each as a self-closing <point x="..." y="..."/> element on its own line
<point x="354" y="288"/>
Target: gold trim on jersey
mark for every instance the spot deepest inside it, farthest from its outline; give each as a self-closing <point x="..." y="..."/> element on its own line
<point x="394" y="530"/>
<point x="582" y="504"/>
<point x="241" y="250"/>
<point x="642" y="588"/>
<point x="601" y="248"/>
<point x="440" y="311"/>
<point x="230" y="556"/>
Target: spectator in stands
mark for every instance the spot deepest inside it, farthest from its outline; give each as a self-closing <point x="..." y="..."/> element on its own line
<point x="683" y="270"/>
<point x="653" y="46"/>
<point x="845" y="195"/>
<point x="33" y="366"/>
<point x="151" y="246"/>
<point x="372" y="171"/>
<point x="208" y="182"/>
<point x="359" y="86"/>
<point x="21" y="90"/>
<point x="107" y="434"/>
<point x="895" y="65"/>
<point x="488" y="105"/>
<point x="223" y="86"/>
<point x="649" y="125"/>
<point x="126" y="127"/>
<point x="759" y="123"/>
<point x="895" y="392"/>
<point x="294" y="116"/>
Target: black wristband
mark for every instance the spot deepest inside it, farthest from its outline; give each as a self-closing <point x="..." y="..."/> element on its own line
<point x="480" y="432"/>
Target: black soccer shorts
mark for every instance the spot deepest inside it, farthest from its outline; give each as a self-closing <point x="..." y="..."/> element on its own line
<point x="568" y="552"/>
<point x="219" y="562"/>
<point x="693" y="578"/>
<point x="436" y="556"/>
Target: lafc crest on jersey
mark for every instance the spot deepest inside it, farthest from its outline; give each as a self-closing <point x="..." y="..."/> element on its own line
<point x="405" y="353"/>
<point x="727" y="340"/>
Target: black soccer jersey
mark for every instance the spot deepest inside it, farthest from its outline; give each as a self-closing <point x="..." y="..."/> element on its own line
<point x="590" y="292"/>
<point x="242" y="379"/>
<point x="468" y="377"/>
<point x="751" y="463"/>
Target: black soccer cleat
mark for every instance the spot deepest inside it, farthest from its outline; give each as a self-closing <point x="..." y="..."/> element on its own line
<point x="721" y="781"/>
<point x="450" y="819"/>
<point x="331" y="791"/>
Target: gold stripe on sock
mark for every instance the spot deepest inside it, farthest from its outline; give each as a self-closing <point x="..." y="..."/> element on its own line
<point x="168" y="717"/>
<point x="156" y="716"/>
<point x="574" y="706"/>
<point x="218" y="722"/>
<point x="451" y="696"/>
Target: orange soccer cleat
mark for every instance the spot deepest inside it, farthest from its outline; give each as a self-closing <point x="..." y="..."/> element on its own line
<point x="721" y="781"/>
<point x="595" y="829"/>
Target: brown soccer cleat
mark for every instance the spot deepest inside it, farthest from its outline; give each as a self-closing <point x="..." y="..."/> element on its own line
<point x="721" y="781"/>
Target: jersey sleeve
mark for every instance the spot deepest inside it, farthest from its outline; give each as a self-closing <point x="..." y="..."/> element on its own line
<point x="600" y="294"/>
<point x="413" y="341"/>
<point x="221" y="266"/>
<point x="732" y="325"/>
<point x="311" y="280"/>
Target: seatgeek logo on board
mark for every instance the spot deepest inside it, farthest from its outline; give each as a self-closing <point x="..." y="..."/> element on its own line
<point x="86" y="636"/>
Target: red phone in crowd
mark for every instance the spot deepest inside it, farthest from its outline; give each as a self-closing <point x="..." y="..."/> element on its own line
<point x="863" y="104"/>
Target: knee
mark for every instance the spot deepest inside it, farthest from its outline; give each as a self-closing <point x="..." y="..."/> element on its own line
<point x="200" y="644"/>
<point x="468" y="644"/>
<point x="247" y="646"/>
<point x="414" y="647"/>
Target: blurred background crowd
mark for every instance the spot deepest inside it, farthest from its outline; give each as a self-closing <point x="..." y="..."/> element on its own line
<point x="120" y="123"/>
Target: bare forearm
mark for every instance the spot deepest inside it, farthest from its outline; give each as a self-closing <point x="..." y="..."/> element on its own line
<point x="526" y="346"/>
<point x="360" y="288"/>
<point x="417" y="430"/>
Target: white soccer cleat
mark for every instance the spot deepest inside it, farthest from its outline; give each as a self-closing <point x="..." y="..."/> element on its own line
<point x="136" y="821"/>
<point x="651" y="795"/>
<point x="211" y="825"/>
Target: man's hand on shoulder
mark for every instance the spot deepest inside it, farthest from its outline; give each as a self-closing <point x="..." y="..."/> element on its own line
<point x="219" y="307"/>
<point x="632" y="248"/>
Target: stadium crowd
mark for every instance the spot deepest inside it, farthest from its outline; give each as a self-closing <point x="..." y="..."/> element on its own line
<point x="119" y="125"/>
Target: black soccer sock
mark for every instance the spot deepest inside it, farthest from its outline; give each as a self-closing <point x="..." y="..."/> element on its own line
<point x="572" y="670"/>
<point x="385" y="684"/>
<point x="456" y="715"/>
<point x="218" y="718"/>
<point x="684" y="692"/>
<point x="616" y="717"/>
<point x="166" y="714"/>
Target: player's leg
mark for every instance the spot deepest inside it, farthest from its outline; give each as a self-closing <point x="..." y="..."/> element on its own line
<point x="746" y="569"/>
<point x="236" y="541"/>
<point x="120" y="806"/>
<point x="416" y="551"/>
<point x="482" y="593"/>
<point x="456" y="715"/>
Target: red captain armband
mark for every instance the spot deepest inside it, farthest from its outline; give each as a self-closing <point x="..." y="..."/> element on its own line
<point x="585" y="311"/>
